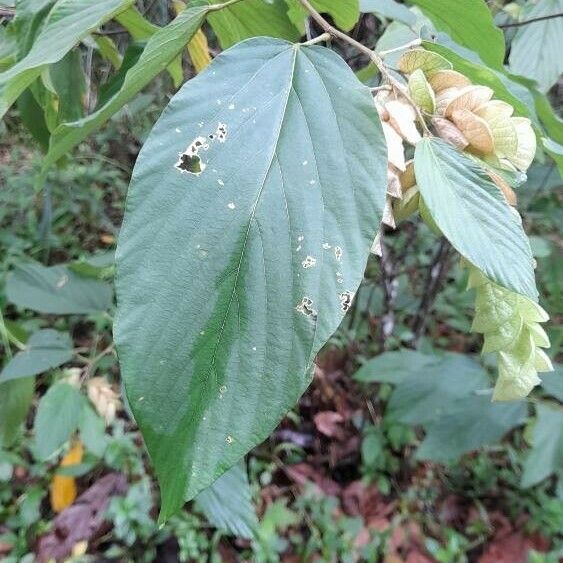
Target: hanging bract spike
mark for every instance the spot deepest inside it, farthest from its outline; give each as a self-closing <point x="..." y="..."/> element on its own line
<point x="509" y="324"/>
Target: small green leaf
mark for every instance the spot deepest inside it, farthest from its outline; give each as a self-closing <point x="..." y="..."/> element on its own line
<point x="394" y="367"/>
<point x="535" y="51"/>
<point x="252" y="18"/>
<point x="249" y="220"/>
<point x="15" y="400"/>
<point x="473" y="215"/>
<point x="546" y="456"/>
<point x="344" y="13"/>
<point x="468" y="424"/>
<point x="227" y="504"/>
<point x="58" y="417"/>
<point x="56" y="290"/>
<point x="469" y="23"/>
<point x="45" y="349"/>
<point x="426" y="395"/>
<point x="67" y="23"/>
<point x="92" y="431"/>
<point x="420" y="91"/>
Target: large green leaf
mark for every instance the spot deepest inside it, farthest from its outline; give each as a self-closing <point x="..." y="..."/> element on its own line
<point x="45" y="349"/>
<point x="252" y="18"/>
<point x="161" y="48"/>
<point x="229" y="281"/>
<point x="468" y="424"/>
<point x="473" y="215"/>
<point x="15" y="400"/>
<point x="227" y="504"/>
<point x="58" y="416"/>
<point x="66" y="24"/>
<point x="546" y="455"/>
<point x="536" y="48"/>
<point x="469" y="23"/>
<point x="503" y="86"/>
<point x="426" y="395"/>
<point x="56" y="290"/>
<point x="344" y="13"/>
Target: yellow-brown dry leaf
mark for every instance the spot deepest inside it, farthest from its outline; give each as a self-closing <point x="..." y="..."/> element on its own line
<point x="420" y="91"/>
<point x="474" y="129"/>
<point x="443" y="79"/>
<point x="393" y="182"/>
<point x="402" y="118"/>
<point x="395" y="151"/>
<point x="497" y="115"/>
<point x="407" y="177"/>
<point x="376" y="244"/>
<point x="199" y="51"/>
<point x="63" y="488"/>
<point x="470" y="98"/>
<point x="493" y="110"/>
<point x="507" y="191"/>
<point x="526" y="148"/>
<point x="427" y="61"/>
<point x="388" y="218"/>
<point x="444" y="98"/>
<point x="449" y="132"/>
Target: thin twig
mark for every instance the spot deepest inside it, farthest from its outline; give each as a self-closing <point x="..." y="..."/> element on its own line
<point x="436" y="272"/>
<point x="319" y="39"/>
<point x="532" y="20"/>
<point x="390" y="288"/>
<point x="413" y="43"/>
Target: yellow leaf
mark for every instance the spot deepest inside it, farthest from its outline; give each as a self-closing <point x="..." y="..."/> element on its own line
<point x="443" y="79"/>
<point x="526" y="149"/>
<point x="63" y="488"/>
<point x="402" y="119"/>
<point x="449" y="132"/>
<point x="497" y="115"/>
<point x="470" y="98"/>
<point x="395" y="151"/>
<point x="199" y="51"/>
<point x="424" y="60"/>
<point x="474" y="129"/>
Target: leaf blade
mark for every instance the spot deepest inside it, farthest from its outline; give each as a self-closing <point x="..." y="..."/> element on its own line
<point x="266" y="194"/>
<point x="473" y="215"/>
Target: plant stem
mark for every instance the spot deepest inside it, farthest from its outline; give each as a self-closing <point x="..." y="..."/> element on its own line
<point x="215" y="7"/>
<point x="436" y="272"/>
<point x="373" y="56"/>
<point x="408" y="45"/>
<point x="320" y="38"/>
<point x="532" y="20"/>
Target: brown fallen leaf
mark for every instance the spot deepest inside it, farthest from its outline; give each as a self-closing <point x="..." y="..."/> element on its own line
<point x="327" y="423"/>
<point x="82" y="521"/>
<point x="302" y="473"/>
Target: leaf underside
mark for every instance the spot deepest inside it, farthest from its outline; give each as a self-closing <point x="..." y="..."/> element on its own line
<point x="231" y="276"/>
<point x="474" y="216"/>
